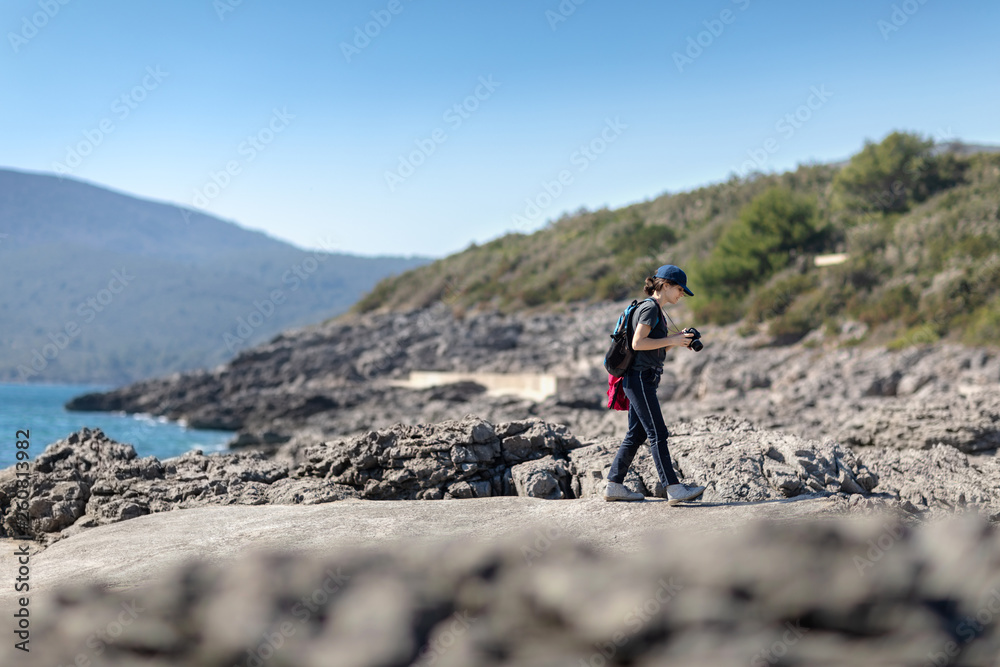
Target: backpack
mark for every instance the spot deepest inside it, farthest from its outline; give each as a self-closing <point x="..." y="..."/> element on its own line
<point x="619" y="357"/>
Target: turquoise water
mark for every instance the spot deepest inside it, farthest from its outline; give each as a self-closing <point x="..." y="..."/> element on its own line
<point x="39" y="409"/>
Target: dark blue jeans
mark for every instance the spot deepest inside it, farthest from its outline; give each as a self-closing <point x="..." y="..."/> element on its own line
<point x="644" y="421"/>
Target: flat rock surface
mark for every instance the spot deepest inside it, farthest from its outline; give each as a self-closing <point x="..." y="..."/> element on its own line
<point x="137" y="551"/>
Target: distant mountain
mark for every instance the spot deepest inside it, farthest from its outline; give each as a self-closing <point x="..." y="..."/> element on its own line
<point x="98" y="286"/>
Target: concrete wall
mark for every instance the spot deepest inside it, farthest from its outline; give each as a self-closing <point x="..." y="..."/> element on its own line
<point x="534" y="386"/>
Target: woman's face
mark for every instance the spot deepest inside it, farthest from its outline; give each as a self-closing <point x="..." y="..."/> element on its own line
<point x="673" y="293"/>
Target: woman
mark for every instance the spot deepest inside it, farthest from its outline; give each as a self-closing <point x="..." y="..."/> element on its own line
<point x="645" y="420"/>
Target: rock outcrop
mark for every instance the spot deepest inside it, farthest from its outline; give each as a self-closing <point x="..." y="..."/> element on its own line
<point x="970" y="424"/>
<point x="737" y="462"/>
<point x="329" y="381"/>
<point x="88" y="480"/>
<point x="831" y="592"/>
<point x="939" y="478"/>
<point x="466" y="459"/>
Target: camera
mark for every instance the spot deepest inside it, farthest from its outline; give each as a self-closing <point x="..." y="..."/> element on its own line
<point x="695" y="344"/>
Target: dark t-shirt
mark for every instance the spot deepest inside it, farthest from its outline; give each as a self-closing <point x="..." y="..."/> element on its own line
<point x="648" y="312"/>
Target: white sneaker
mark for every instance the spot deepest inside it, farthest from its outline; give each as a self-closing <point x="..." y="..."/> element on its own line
<point x="616" y="491"/>
<point x="677" y="493"/>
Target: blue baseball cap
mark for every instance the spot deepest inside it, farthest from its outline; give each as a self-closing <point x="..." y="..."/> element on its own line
<point x="672" y="273"/>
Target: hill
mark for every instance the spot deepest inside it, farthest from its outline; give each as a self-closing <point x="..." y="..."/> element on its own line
<point x="98" y="286"/>
<point x="918" y="223"/>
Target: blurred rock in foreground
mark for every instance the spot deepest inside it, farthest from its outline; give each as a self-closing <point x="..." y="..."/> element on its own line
<point x="837" y="592"/>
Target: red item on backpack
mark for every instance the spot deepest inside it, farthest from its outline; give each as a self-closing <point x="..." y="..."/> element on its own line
<point x="617" y="400"/>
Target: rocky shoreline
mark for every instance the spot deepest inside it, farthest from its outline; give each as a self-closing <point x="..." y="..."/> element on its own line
<point x="328" y="381"/>
<point x="88" y="480"/>
<point x="321" y="418"/>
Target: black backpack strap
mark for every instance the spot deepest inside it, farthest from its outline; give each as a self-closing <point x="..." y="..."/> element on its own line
<point x="630" y="312"/>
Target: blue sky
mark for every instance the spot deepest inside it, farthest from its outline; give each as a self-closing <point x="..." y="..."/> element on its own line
<point x="163" y="97"/>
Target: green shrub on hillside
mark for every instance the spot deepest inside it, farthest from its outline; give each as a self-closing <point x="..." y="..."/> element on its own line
<point x="899" y="302"/>
<point x="920" y="334"/>
<point x="889" y="177"/>
<point x="772" y="229"/>
<point x="984" y="326"/>
<point x="774" y="299"/>
<point x="637" y="240"/>
<point x="806" y="313"/>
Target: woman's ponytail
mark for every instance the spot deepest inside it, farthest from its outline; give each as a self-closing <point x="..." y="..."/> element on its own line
<point x="655" y="285"/>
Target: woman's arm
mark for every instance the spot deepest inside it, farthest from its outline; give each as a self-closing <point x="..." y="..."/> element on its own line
<point x="642" y="341"/>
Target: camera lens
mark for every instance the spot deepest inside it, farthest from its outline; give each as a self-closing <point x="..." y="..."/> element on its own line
<point x="696" y="345"/>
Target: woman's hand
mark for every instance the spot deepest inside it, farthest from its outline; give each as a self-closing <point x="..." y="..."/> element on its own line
<point x="681" y="339"/>
<point x="642" y="341"/>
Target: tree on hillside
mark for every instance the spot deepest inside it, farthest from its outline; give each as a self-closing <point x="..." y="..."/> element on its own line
<point x="774" y="227"/>
<point x="889" y="177"/>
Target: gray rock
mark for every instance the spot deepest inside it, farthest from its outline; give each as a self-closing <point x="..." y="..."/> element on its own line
<point x="89" y="479"/>
<point x="969" y="424"/>
<point x="287" y="491"/>
<point x="938" y="478"/>
<point x="547" y="478"/>
<point x="737" y="462"/>
<point x="860" y="592"/>
<point x="452" y="459"/>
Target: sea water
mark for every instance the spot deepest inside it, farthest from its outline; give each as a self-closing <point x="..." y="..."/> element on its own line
<point x="38" y="409"/>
